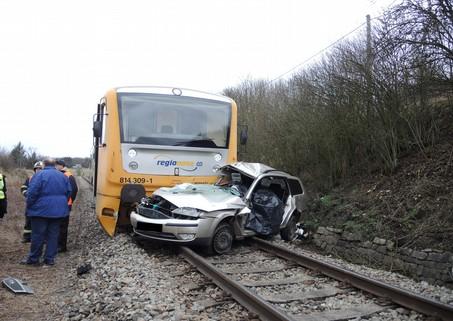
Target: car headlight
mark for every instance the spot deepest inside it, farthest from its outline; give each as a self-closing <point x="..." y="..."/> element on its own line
<point x="187" y="211"/>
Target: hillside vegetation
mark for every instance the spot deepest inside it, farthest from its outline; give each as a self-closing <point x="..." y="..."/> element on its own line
<point x="368" y="127"/>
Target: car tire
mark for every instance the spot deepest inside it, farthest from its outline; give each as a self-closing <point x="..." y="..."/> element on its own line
<point x="222" y="240"/>
<point x="289" y="232"/>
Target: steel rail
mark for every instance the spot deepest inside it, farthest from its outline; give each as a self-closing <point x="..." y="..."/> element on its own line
<point x="402" y="297"/>
<point x="246" y="298"/>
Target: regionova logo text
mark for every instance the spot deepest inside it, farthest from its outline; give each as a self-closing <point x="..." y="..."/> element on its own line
<point x="183" y="165"/>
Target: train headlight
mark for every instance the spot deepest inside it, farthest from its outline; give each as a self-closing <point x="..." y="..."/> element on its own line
<point x="133" y="165"/>
<point x="132" y="153"/>
<point x="218" y="157"/>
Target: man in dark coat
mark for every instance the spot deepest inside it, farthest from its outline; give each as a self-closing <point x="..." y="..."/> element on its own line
<point x="47" y="204"/>
<point x="63" y="238"/>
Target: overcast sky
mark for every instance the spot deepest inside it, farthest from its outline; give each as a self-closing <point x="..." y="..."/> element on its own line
<point x="58" y="58"/>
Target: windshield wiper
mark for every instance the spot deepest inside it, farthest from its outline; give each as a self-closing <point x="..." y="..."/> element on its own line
<point x="204" y="142"/>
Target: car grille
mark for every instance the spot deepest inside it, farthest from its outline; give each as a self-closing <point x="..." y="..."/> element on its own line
<point x="156" y="214"/>
<point x="151" y="213"/>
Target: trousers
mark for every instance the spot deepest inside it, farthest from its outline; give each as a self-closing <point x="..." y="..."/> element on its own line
<point x="27" y="229"/>
<point x="44" y="229"/>
<point x="63" y="238"/>
<point x="3" y="207"/>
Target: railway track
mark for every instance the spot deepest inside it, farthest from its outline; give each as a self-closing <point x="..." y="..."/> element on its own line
<point x="277" y="284"/>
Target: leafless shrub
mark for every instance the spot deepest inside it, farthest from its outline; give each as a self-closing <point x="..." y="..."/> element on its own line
<point x="5" y="161"/>
<point x="353" y="111"/>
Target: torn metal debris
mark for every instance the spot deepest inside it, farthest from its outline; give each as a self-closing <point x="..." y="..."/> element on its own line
<point x="16" y="285"/>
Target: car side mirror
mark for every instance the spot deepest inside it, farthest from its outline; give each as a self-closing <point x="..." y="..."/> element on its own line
<point x="97" y="128"/>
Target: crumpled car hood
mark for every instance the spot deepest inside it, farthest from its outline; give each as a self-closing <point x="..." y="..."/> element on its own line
<point x="204" y="197"/>
<point x="251" y="169"/>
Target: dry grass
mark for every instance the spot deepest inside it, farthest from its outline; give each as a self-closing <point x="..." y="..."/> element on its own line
<point x="14" y="219"/>
<point x="49" y="284"/>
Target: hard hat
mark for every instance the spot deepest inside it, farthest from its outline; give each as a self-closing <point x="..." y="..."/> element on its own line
<point x="60" y="162"/>
<point x="39" y="165"/>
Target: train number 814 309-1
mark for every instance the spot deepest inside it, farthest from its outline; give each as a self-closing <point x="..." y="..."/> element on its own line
<point x="134" y="180"/>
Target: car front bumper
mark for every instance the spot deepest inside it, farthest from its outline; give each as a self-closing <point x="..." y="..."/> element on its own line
<point x="187" y="232"/>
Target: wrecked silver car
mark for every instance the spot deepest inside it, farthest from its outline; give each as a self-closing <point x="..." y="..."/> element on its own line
<point x="248" y="199"/>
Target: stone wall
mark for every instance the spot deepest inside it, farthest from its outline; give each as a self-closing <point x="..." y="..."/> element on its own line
<point x="433" y="266"/>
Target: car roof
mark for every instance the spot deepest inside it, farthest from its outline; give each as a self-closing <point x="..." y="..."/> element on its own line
<point x="252" y="169"/>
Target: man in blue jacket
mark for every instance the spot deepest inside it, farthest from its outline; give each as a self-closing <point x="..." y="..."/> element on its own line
<point x="47" y="204"/>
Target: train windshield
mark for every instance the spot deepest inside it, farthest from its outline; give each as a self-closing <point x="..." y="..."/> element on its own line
<point x="157" y="119"/>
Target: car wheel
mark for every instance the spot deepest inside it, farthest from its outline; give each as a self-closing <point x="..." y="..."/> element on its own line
<point x="289" y="232"/>
<point x="222" y="240"/>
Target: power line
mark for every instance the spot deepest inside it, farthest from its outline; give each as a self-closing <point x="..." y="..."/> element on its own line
<point x="332" y="44"/>
<point x="318" y="53"/>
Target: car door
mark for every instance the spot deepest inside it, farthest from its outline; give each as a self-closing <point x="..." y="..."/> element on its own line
<point x="266" y="201"/>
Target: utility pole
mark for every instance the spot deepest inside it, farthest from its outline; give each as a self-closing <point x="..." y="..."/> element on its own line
<point x="369" y="63"/>
<point x="368" y="38"/>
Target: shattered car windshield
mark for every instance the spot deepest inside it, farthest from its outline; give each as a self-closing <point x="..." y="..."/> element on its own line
<point x="236" y="183"/>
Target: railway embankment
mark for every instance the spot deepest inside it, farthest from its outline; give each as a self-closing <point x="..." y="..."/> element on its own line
<point x="401" y="222"/>
<point x="431" y="265"/>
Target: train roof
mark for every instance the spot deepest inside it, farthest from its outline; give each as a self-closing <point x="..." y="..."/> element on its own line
<point x="176" y="91"/>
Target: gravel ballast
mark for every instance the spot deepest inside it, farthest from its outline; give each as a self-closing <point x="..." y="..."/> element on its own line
<point x="128" y="281"/>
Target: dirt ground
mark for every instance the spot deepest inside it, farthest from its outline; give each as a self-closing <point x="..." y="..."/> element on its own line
<point x="48" y="283"/>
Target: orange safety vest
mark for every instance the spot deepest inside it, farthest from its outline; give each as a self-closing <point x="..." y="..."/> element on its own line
<point x="68" y="173"/>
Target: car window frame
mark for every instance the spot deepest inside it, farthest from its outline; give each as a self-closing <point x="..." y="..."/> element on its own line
<point x="256" y="184"/>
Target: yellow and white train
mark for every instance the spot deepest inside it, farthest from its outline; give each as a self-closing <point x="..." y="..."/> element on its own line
<point x="149" y="137"/>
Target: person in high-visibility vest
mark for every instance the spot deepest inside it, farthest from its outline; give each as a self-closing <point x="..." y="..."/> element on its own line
<point x="63" y="238"/>
<point x="3" y="198"/>
<point x="26" y="235"/>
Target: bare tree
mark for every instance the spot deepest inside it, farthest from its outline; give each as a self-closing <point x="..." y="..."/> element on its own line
<point x="19" y="155"/>
<point x="426" y="26"/>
